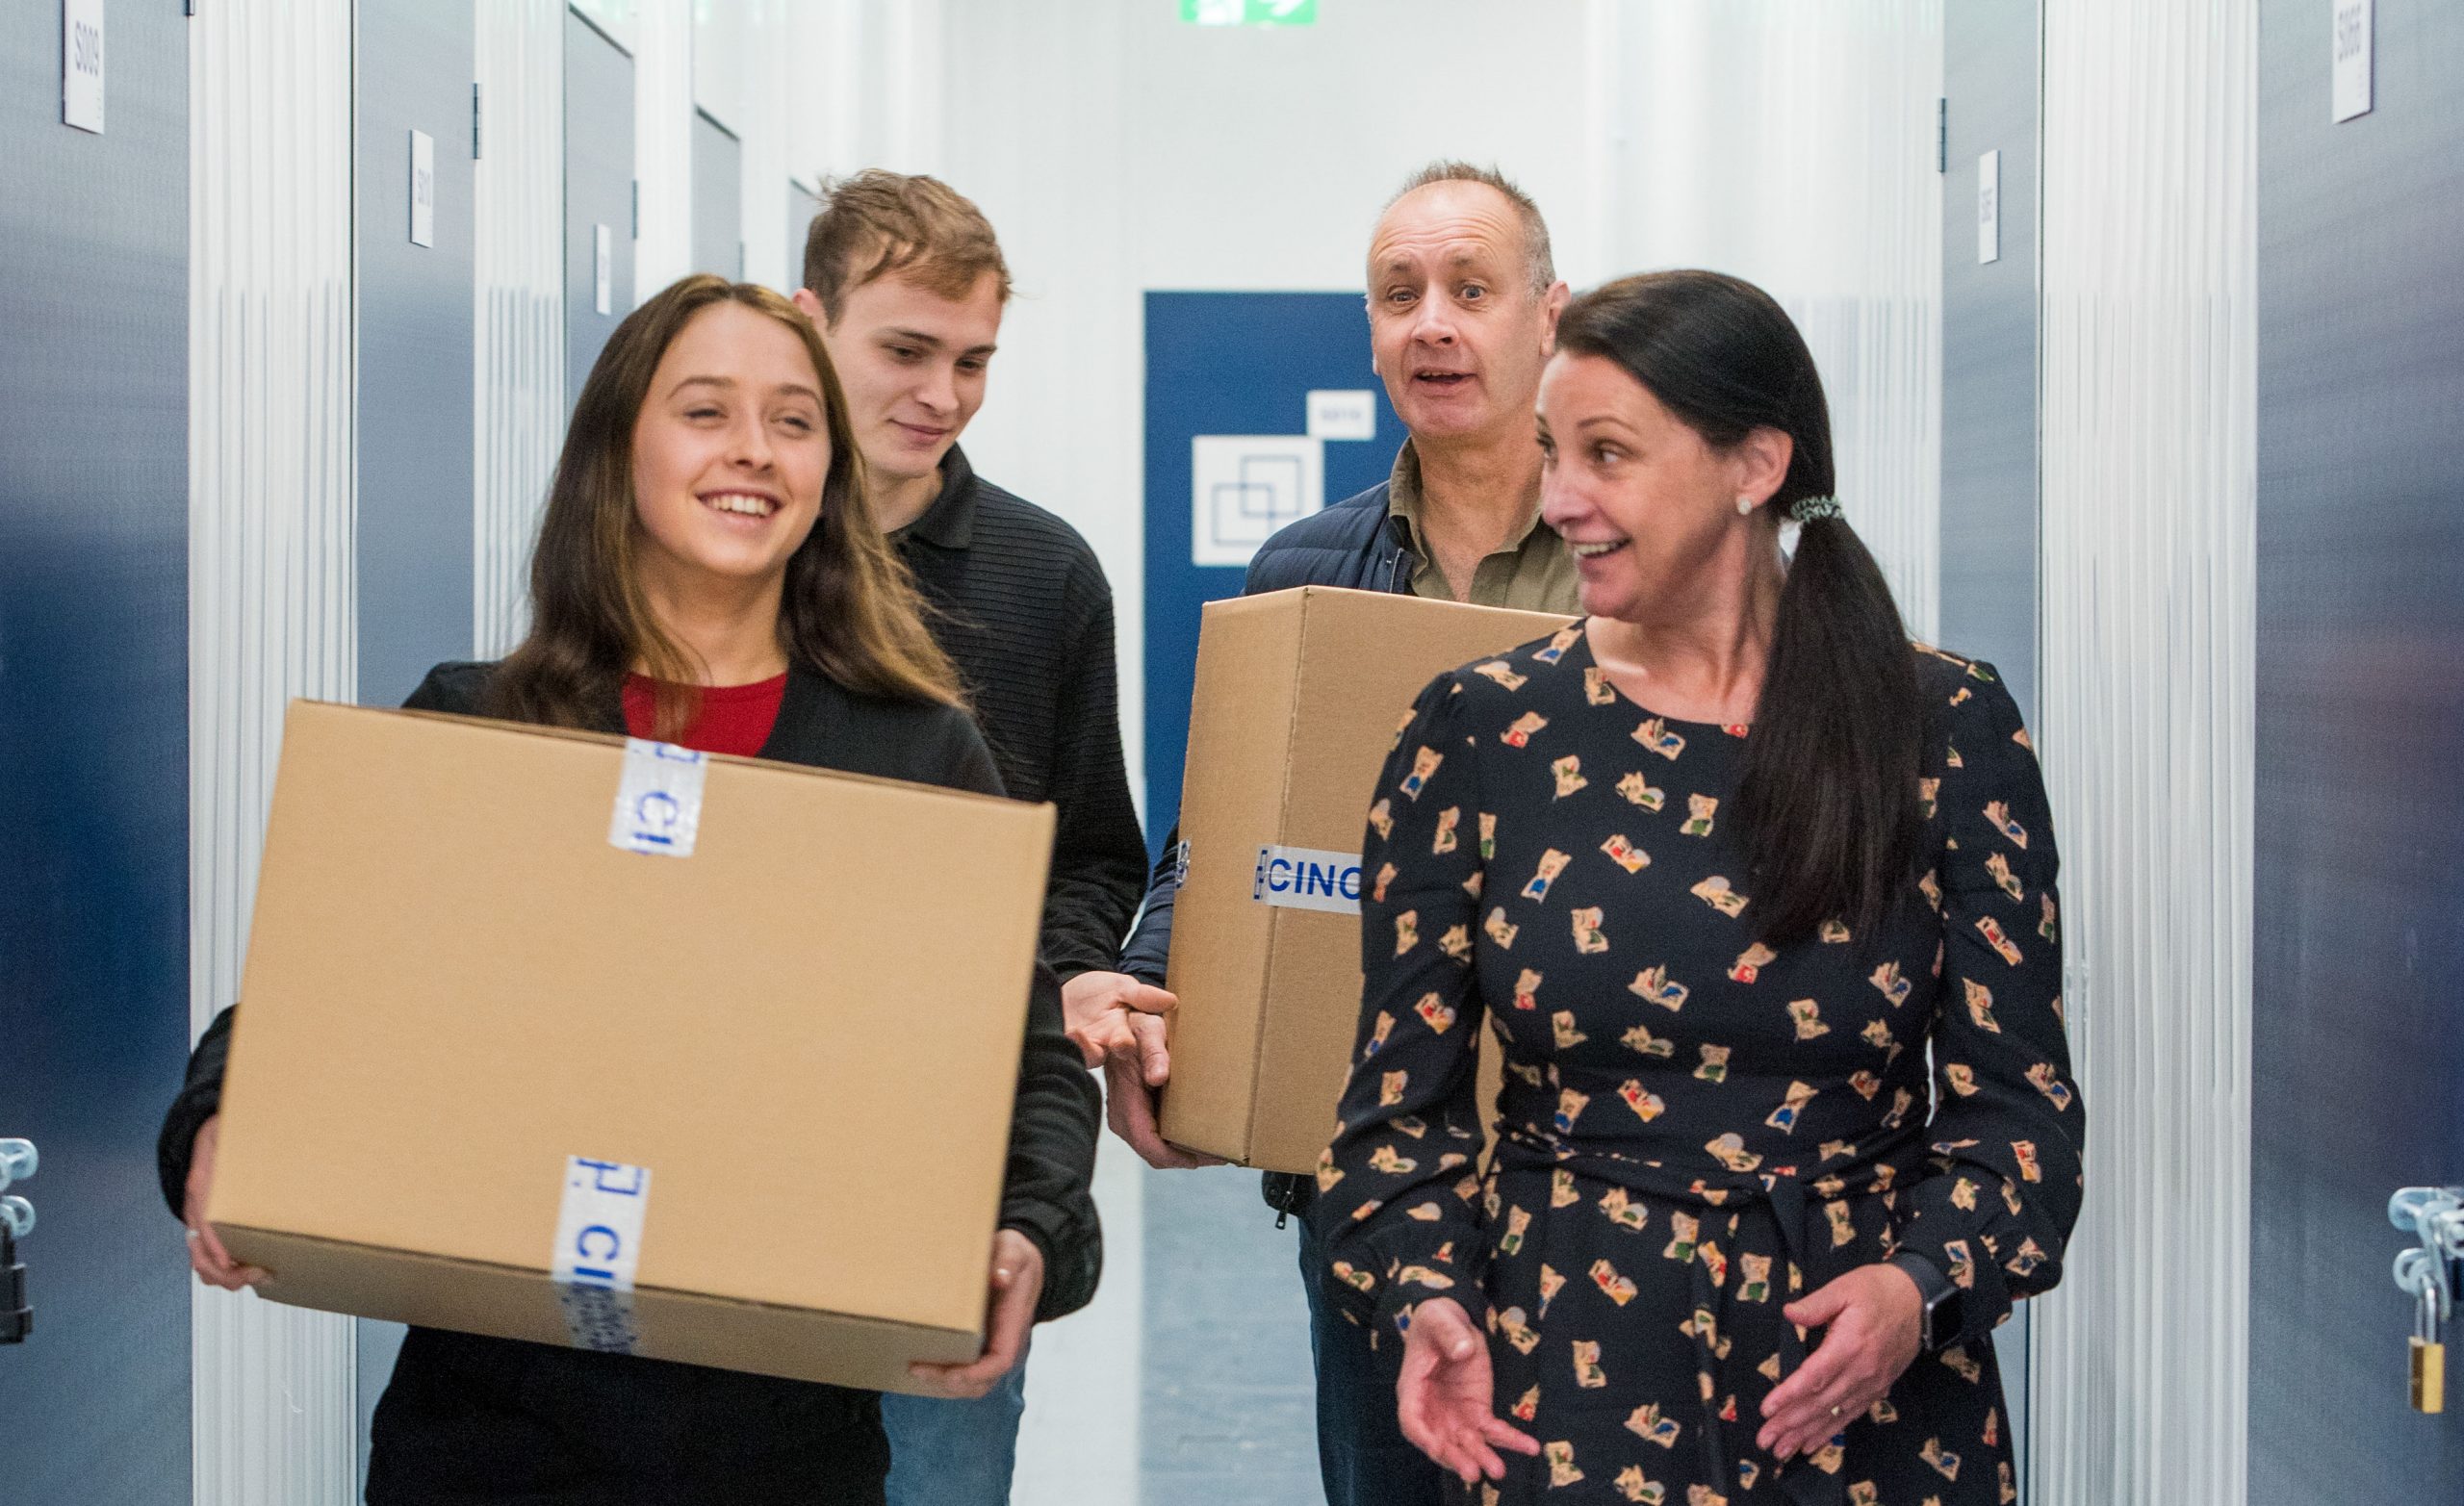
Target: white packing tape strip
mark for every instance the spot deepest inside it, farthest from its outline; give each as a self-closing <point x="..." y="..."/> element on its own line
<point x="659" y="800"/>
<point x="1303" y="877"/>
<point x="599" y="1247"/>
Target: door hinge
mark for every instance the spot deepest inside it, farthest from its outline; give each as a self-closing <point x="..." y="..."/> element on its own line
<point x="1942" y="134"/>
<point x="637" y="209"/>
<point x="474" y="123"/>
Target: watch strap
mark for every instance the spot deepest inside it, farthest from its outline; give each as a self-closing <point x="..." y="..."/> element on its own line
<point x="1938" y="1292"/>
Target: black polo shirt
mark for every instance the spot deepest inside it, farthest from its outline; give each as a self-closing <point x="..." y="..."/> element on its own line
<point x="1021" y="604"/>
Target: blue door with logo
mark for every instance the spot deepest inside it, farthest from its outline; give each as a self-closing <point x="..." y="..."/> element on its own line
<point x="1231" y="457"/>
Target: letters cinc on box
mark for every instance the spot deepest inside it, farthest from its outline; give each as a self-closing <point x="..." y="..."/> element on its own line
<point x="1297" y="696"/>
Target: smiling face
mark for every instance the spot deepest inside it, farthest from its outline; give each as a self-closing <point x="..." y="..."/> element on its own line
<point x="913" y="364"/>
<point x="730" y="453"/>
<point x="1456" y="328"/>
<point x="1646" y="503"/>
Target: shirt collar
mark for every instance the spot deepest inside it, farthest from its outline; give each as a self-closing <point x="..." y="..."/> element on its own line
<point x="950" y="521"/>
<point x="1404" y="502"/>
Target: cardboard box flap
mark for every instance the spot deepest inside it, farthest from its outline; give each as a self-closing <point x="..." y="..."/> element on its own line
<point x="583" y="734"/>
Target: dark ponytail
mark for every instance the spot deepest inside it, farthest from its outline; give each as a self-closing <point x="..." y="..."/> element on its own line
<point x="1829" y="802"/>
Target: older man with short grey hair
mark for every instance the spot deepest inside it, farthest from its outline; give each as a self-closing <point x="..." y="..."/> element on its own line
<point x="1463" y="300"/>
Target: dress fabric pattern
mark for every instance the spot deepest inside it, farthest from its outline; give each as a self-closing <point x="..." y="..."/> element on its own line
<point x="1697" y="1127"/>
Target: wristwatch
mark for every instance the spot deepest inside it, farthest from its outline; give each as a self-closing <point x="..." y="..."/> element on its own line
<point x="1945" y="1307"/>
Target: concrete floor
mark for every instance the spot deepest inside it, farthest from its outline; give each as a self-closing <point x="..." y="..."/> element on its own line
<point x="1186" y="1381"/>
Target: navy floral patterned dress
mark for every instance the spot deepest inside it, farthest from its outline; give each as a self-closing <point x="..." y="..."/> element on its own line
<point x="1696" y="1127"/>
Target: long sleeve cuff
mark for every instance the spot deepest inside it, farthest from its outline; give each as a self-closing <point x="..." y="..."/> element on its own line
<point x="1073" y="1255"/>
<point x="1148" y="955"/>
<point x="1387" y="1298"/>
<point x="200" y="1099"/>
<point x="1955" y="1252"/>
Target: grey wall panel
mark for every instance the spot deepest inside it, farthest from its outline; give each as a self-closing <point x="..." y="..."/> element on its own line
<point x="1991" y="70"/>
<point x="802" y="206"/>
<point x="598" y="190"/>
<point x="94" y="752"/>
<point x="417" y="546"/>
<point x="2358" y="1031"/>
<point x="1991" y="74"/>
<point x="417" y="549"/>
<point x="718" y="199"/>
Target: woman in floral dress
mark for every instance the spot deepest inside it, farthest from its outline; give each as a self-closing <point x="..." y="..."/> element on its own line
<point x="1760" y="900"/>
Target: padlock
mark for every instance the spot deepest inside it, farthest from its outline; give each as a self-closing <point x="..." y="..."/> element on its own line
<point x="2429" y="1357"/>
<point x="2429" y="1376"/>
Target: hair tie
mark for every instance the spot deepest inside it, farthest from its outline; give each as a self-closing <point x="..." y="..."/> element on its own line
<point x="1813" y="509"/>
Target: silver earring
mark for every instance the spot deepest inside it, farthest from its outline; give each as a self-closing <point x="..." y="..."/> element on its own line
<point x="1744" y="505"/>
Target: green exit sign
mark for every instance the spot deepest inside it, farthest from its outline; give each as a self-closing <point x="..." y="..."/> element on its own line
<point x="1250" y="13"/>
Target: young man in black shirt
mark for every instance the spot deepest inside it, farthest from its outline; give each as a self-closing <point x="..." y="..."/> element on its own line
<point x="906" y="282"/>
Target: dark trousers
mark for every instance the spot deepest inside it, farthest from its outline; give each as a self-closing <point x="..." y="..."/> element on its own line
<point x="1362" y="1454"/>
<point x="471" y="1421"/>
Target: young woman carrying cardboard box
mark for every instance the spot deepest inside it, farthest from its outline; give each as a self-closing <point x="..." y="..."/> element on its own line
<point x="708" y="574"/>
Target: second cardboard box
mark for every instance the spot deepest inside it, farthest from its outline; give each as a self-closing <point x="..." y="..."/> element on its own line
<point x="1297" y="698"/>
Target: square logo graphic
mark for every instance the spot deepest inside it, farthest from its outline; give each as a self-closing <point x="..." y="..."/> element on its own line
<point x="1245" y="486"/>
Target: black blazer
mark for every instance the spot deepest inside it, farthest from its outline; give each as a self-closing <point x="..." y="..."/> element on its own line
<point x="1053" y="1126"/>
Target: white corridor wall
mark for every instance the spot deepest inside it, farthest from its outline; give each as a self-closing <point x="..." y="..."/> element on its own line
<point x="1792" y="143"/>
<point x="518" y="265"/>
<point x="1120" y="150"/>
<point x="2150" y="398"/>
<point x="272" y="414"/>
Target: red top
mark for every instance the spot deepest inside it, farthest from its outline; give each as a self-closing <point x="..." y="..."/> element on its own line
<point x="733" y="719"/>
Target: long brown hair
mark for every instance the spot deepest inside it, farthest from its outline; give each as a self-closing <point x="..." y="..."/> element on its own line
<point x="849" y="609"/>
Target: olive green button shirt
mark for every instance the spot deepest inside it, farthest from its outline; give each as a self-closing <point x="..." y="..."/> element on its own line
<point x="1533" y="572"/>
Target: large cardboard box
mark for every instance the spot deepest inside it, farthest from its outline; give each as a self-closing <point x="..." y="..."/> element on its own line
<point x="531" y="1018"/>
<point x="1297" y="698"/>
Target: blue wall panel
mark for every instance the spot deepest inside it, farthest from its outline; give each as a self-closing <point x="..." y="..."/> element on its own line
<point x="1990" y="73"/>
<point x="802" y="208"/>
<point x="1231" y="363"/>
<point x="598" y="190"/>
<point x="1991" y="513"/>
<point x="718" y="199"/>
<point x="93" y="752"/>
<point x="417" y="516"/>
<point x="2358" y="1037"/>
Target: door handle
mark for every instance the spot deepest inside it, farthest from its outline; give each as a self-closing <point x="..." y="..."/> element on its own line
<point x="19" y="1162"/>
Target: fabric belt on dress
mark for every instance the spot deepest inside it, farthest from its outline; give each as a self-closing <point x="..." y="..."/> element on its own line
<point x="1790" y="1204"/>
